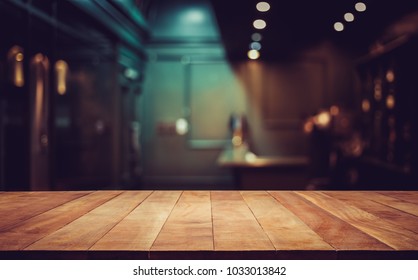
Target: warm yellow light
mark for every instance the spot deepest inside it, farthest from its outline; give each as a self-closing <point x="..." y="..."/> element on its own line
<point x="237" y="140"/>
<point x="18" y="77"/>
<point x="61" y="71"/>
<point x="338" y="26"/>
<point x="253" y="54"/>
<point x="19" y="57"/>
<point x="323" y="119"/>
<point x="259" y="24"/>
<point x="360" y="7"/>
<point x="365" y="105"/>
<point x="39" y="97"/>
<point x="349" y="17"/>
<point x="61" y="64"/>
<point x="263" y="6"/>
<point x="390" y="76"/>
<point x="390" y="102"/>
<point x="15" y="59"/>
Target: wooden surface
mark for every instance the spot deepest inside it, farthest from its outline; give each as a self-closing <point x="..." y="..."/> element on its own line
<point x="209" y="225"/>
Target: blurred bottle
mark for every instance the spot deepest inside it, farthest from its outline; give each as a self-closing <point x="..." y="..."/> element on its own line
<point x="238" y="128"/>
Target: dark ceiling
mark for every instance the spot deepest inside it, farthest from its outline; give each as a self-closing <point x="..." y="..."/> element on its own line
<point x="296" y="25"/>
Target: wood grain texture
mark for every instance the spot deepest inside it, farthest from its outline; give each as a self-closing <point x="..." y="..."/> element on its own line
<point x="404" y="206"/>
<point x="84" y="232"/>
<point x="189" y="226"/>
<point x="32" y="204"/>
<point x="392" y="235"/>
<point x="280" y="224"/>
<point x="209" y="224"/>
<point x="336" y="232"/>
<point x="139" y="229"/>
<point x="29" y="231"/>
<point x="369" y="203"/>
<point x="402" y="195"/>
<point x="234" y="225"/>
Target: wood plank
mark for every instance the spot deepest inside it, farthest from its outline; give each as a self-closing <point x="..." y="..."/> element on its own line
<point x="408" y="207"/>
<point x="234" y="226"/>
<point x="21" y="199"/>
<point x="366" y="203"/>
<point x="5" y="197"/>
<point x="203" y="224"/>
<point x="16" y="200"/>
<point x="339" y="234"/>
<point x="32" y="204"/>
<point x="189" y="226"/>
<point x="390" y="234"/>
<point x="285" y="230"/>
<point x="140" y="228"/>
<point x="84" y="232"/>
<point x="409" y="196"/>
<point x="35" y="228"/>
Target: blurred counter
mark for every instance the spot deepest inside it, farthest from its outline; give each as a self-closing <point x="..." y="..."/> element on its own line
<point x="260" y="172"/>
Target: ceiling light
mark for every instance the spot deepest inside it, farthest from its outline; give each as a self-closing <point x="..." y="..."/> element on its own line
<point x="255" y="46"/>
<point x="338" y="26"/>
<point x="349" y="17"/>
<point x="256" y="37"/>
<point x="263" y="6"/>
<point x="360" y="7"/>
<point x="259" y="24"/>
<point x="253" y="54"/>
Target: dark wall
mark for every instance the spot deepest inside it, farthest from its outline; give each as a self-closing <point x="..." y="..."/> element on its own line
<point x="86" y="137"/>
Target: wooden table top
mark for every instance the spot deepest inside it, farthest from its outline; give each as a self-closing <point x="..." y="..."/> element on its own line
<point x="209" y="224"/>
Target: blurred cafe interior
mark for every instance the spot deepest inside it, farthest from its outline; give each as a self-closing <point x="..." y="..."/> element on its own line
<point x="208" y="94"/>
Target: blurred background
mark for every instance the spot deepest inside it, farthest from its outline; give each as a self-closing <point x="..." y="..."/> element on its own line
<point x="208" y="94"/>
